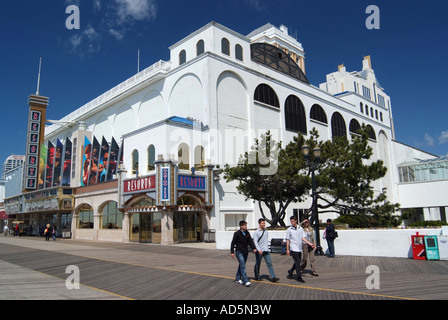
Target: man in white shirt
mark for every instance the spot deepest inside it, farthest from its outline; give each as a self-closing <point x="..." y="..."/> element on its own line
<point x="262" y="245"/>
<point x="294" y="238"/>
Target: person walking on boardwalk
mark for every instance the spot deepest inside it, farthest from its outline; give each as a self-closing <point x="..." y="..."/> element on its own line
<point x="239" y="248"/>
<point x="294" y="238"/>
<point x="262" y="245"/>
<point x="329" y="235"/>
<point x="308" y="250"/>
<point x="47" y="233"/>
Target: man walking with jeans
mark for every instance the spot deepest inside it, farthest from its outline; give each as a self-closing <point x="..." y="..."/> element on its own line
<point x="241" y="240"/>
<point x="262" y="245"/>
<point x="294" y="238"/>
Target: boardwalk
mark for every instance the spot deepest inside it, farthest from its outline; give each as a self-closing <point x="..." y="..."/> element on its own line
<point x="36" y="269"/>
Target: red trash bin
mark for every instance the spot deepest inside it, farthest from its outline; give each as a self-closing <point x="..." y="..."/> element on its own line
<point x="418" y="247"/>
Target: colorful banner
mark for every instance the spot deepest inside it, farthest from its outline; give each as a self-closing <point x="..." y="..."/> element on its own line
<point x="66" y="170"/>
<point x="86" y="162"/>
<point x="57" y="168"/>
<point x="49" y="167"/>
<point x="42" y="165"/>
<point x="113" y="160"/>
<point x="103" y="161"/>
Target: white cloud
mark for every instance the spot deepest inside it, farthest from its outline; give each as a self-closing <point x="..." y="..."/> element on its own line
<point x="429" y="140"/>
<point x="443" y="138"/>
<point x="115" y="19"/>
<point x="87" y="42"/>
<point x="137" y="10"/>
<point x="117" y="34"/>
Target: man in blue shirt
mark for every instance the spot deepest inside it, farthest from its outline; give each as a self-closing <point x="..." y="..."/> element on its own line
<point x="262" y="245"/>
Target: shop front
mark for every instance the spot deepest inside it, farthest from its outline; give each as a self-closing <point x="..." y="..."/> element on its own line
<point x="34" y="210"/>
<point x="167" y="207"/>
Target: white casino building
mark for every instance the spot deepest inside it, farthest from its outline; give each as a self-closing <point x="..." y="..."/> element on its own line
<point x="203" y="108"/>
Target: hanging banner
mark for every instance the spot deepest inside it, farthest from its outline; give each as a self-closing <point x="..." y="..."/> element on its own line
<point x="57" y="168"/>
<point x="112" y="164"/>
<point x="103" y="161"/>
<point x="86" y="162"/>
<point x="66" y="170"/>
<point x="49" y="167"/>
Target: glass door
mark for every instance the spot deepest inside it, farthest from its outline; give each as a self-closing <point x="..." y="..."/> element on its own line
<point x="145" y="228"/>
<point x="187" y="227"/>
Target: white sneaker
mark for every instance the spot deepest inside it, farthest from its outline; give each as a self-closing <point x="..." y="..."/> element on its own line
<point x="247" y="284"/>
<point x="239" y="281"/>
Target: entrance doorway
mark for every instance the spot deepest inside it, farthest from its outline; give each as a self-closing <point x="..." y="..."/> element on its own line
<point x="187" y="227"/>
<point x="146" y="227"/>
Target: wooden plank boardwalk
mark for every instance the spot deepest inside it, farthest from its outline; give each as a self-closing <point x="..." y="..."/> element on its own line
<point x="154" y="272"/>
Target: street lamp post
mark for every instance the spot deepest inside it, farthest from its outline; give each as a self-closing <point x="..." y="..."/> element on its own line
<point x="313" y="166"/>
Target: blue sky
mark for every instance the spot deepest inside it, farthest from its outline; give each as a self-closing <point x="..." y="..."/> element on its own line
<point x="409" y="52"/>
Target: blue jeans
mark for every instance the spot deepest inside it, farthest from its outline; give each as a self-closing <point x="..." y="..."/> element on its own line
<point x="241" y="272"/>
<point x="330" y="243"/>
<point x="267" y="259"/>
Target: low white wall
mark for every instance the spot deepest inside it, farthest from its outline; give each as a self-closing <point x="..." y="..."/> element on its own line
<point x="374" y="243"/>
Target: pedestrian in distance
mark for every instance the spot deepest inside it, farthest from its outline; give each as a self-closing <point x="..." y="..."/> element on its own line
<point x="53" y="232"/>
<point x="330" y="234"/>
<point x="239" y="248"/>
<point x="308" y="250"/>
<point x="294" y="238"/>
<point x="262" y="245"/>
<point x="5" y="230"/>
<point x="47" y="233"/>
<point x="16" y="230"/>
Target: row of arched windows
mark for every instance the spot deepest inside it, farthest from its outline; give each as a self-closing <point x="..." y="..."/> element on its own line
<point x="183" y="154"/>
<point x="373" y="113"/>
<point x="225" y="49"/>
<point x="295" y="116"/>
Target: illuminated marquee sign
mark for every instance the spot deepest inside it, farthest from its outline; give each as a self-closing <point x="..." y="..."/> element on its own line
<point x="139" y="185"/>
<point x="191" y="182"/>
<point x="32" y="155"/>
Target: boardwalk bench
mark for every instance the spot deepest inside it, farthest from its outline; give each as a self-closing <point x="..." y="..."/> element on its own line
<point x="276" y="245"/>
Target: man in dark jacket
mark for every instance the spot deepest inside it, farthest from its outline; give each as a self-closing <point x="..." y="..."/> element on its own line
<point x="239" y="247"/>
<point x="330" y="235"/>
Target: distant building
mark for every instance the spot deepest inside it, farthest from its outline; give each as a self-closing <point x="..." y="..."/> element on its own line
<point x="11" y="163"/>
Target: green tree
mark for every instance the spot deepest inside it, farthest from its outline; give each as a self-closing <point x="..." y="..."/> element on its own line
<point x="269" y="175"/>
<point x="276" y="177"/>
<point x="345" y="176"/>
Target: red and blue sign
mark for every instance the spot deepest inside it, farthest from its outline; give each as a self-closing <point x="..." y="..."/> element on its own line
<point x="165" y="187"/>
<point x="191" y="183"/>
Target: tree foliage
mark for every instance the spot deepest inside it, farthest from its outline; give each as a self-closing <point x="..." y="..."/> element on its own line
<point x="344" y="177"/>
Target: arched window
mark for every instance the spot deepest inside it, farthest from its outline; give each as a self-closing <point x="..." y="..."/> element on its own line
<point x="361" y="107"/>
<point x="371" y="132"/>
<point x="134" y="162"/>
<point x="239" y="52"/>
<point x="354" y="126"/>
<point x="85" y="217"/>
<point x="183" y="153"/>
<point x="199" y="158"/>
<point x="295" y="117"/>
<point x="112" y="217"/>
<point x="225" y="46"/>
<point x="200" y="47"/>
<point x="265" y="94"/>
<point x="182" y="57"/>
<point x="371" y="112"/>
<point x="151" y="158"/>
<point x="317" y="113"/>
<point x="338" y="127"/>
